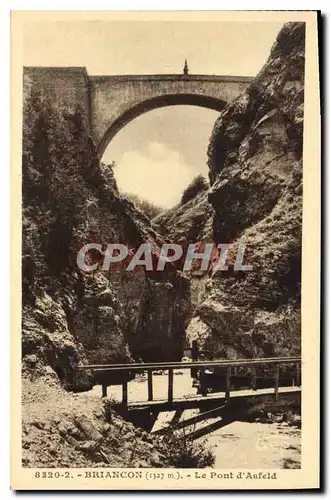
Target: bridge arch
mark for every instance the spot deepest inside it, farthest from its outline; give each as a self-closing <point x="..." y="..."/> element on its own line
<point x="154" y="103"/>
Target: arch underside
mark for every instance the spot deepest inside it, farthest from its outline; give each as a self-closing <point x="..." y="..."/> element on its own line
<point x="154" y="103"/>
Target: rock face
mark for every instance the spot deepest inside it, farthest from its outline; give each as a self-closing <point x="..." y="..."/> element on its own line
<point x="71" y="317"/>
<point x="255" y="168"/>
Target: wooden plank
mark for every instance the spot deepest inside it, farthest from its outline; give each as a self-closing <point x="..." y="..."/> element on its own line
<point x="276" y="382"/>
<point x="125" y="394"/>
<point x="228" y="382"/>
<point x="150" y="385"/>
<point x="253" y="378"/>
<point x="171" y="385"/>
<point x="215" y="399"/>
<point x="104" y="391"/>
<point x="180" y="364"/>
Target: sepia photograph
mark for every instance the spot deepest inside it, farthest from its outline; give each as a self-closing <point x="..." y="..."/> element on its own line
<point x="160" y="328"/>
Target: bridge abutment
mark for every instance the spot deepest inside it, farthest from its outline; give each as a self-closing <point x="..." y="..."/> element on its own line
<point x="67" y="88"/>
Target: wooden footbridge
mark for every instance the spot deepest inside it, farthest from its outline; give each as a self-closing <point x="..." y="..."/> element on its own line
<point x="259" y="387"/>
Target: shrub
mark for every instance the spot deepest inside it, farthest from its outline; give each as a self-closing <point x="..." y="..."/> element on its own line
<point x="198" y="185"/>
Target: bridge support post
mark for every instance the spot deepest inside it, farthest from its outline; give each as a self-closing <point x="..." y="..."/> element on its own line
<point x="150" y="385"/>
<point x="276" y="382"/>
<point x="171" y="385"/>
<point x="104" y="391"/>
<point x="228" y="382"/>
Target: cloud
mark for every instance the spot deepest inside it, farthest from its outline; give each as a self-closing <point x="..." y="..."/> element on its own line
<point x="156" y="173"/>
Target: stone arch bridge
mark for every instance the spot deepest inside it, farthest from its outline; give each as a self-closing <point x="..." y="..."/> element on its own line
<point x="110" y="102"/>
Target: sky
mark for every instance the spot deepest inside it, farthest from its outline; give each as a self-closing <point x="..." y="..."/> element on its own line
<point x="166" y="147"/>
